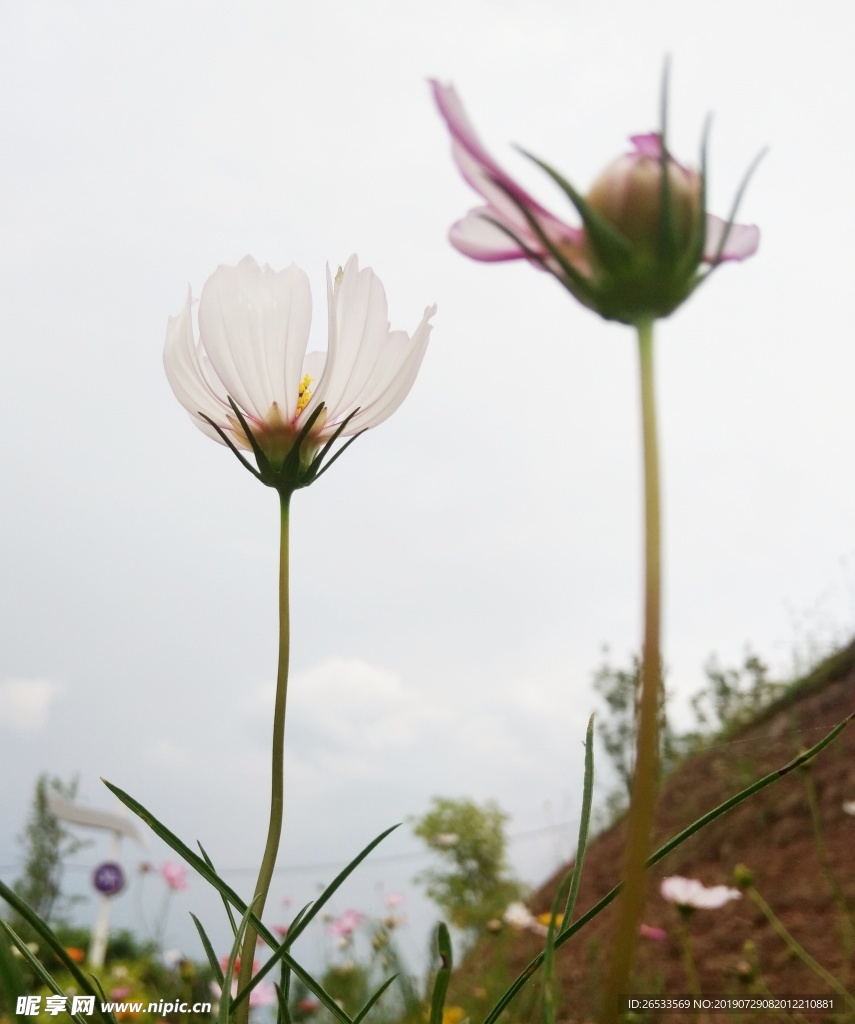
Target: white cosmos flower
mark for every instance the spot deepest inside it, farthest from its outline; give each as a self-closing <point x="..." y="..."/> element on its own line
<point x="688" y="892"/>
<point x="253" y="325"/>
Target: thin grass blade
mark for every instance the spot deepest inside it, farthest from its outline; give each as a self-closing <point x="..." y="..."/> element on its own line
<point x="365" y="1009"/>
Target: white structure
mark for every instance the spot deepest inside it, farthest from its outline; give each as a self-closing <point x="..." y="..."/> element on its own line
<point x="119" y="826"/>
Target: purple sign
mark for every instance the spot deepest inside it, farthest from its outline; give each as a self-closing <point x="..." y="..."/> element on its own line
<point x="108" y="878"/>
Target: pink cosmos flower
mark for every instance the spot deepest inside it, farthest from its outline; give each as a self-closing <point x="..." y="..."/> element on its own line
<point x="175" y="875"/>
<point x="649" y="931"/>
<point x="344" y="926"/>
<point x="617" y="262"/>
<point x="688" y="893"/>
<point x="249" y="374"/>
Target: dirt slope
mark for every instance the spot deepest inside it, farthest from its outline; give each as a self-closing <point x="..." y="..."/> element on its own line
<point x="771" y="832"/>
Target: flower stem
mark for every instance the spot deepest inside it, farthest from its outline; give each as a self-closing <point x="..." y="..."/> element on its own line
<point x="795" y="948"/>
<point x="688" y="957"/>
<point x="274" y="830"/>
<point x="646" y="777"/>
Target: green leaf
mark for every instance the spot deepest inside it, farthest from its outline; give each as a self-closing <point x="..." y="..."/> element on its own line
<point x="282" y="993"/>
<point x="42" y="972"/>
<point x="299" y="927"/>
<point x="225" y="890"/>
<point x="226" y="1001"/>
<point x="47" y="935"/>
<point x="209" y="951"/>
<point x="365" y="1009"/>
<point x="443" y="975"/>
<point x="11" y="985"/>
<point x="584" y="822"/>
<point x="226" y="904"/>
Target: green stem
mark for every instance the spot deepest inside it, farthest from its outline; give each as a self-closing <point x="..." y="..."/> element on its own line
<point x="646" y="778"/>
<point x="277" y="785"/>
<point x="847" y="931"/>
<point x="688" y="958"/>
<point x="795" y="948"/>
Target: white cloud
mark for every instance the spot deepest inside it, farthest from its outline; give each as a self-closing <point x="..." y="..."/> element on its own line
<point x="24" y="703"/>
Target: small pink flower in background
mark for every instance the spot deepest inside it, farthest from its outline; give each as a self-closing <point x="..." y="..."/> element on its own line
<point x="281" y="930"/>
<point x="224" y="963"/>
<point x="630" y="259"/>
<point x="120" y="993"/>
<point x="264" y="993"/>
<point x="345" y="925"/>
<point x="175" y="875"/>
<point x="649" y="931"/>
<point x="690" y="894"/>
<point x="394" y="900"/>
<point x="307" y="1006"/>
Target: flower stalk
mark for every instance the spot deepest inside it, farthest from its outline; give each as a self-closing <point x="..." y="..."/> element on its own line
<point x="798" y="951"/>
<point x="646" y="778"/>
<point x="277" y="782"/>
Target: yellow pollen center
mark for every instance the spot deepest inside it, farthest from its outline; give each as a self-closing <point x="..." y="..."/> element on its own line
<point x="304" y="393"/>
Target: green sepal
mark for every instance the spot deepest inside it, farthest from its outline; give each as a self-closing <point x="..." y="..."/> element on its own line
<point x="734" y="209"/>
<point x="610" y="246"/>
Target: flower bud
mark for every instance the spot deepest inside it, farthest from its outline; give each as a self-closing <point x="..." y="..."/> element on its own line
<point x="628" y="195"/>
<point x="743" y="876"/>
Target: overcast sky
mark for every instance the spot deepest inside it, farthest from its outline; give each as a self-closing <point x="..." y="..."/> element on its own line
<point x="457" y="573"/>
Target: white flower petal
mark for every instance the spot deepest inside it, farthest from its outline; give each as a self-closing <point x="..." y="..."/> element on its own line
<point x="358" y="323"/>
<point x="254" y="326"/>
<point x="394" y="375"/>
<point x="184" y="372"/>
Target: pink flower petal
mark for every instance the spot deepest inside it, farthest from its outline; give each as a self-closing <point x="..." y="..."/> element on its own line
<point x="742" y="240"/>
<point x="478" y="234"/>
